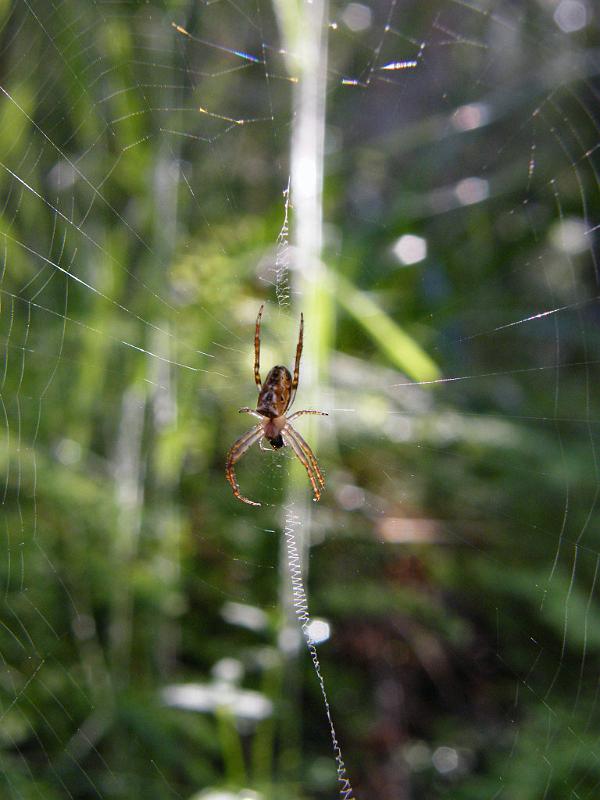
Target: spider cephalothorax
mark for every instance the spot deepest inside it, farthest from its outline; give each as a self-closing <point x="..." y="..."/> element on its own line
<point x="275" y="397"/>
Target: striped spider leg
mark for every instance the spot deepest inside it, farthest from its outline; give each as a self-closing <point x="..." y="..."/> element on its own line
<point x="236" y="451"/>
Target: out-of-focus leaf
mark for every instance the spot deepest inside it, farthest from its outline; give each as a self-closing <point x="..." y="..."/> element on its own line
<point x="402" y="350"/>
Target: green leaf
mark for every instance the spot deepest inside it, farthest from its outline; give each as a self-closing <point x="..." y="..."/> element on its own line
<point x="401" y="349"/>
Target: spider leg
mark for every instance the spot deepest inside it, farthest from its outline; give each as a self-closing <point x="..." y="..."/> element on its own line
<point x="296" y="376"/>
<point x="236" y="451"/>
<point x="304" y="444"/>
<point x="306" y="411"/>
<point x="300" y="455"/>
<point x="257" y="350"/>
<point x="254" y="413"/>
<point x="305" y="447"/>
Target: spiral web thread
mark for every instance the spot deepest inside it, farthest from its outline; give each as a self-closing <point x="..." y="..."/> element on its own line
<point x="282" y="255"/>
<point x="300" y="603"/>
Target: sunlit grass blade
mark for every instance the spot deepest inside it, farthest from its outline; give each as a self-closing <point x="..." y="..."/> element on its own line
<point x="401" y="349"/>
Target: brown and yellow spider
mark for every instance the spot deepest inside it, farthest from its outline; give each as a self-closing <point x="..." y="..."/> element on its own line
<point x="275" y="396"/>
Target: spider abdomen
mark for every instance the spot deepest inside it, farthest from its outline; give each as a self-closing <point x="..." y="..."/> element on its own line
<point x="274" y="396"/>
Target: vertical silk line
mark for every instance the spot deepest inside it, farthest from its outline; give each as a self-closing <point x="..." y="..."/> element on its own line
<point x="300" y="605"/>
<point x="304" y="30"/>
<point x="282" y="255"/>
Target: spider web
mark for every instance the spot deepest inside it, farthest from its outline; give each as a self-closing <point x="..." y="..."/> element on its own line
<point x="149" y="642"/>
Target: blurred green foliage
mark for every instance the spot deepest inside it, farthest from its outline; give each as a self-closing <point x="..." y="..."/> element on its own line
<point x="455" y="553"/>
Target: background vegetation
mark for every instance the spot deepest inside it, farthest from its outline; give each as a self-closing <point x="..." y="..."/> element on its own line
<point x="455" y="552"/>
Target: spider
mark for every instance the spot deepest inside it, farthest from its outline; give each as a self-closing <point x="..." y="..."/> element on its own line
<point x="275" y="396"/>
